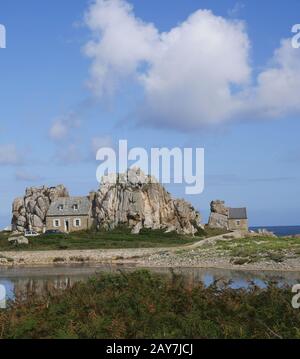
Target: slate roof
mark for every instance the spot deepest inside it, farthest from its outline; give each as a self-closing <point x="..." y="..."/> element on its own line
<point x="67" y="203"/>
<point x="238" y="213"/>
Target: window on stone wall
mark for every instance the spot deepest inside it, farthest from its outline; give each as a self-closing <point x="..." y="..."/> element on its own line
<point x="56" y="223"/>
<point x="238" y="223"/>
<point x="77" y="222"/>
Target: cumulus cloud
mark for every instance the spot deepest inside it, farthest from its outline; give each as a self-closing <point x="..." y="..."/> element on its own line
<point x="121" y="43"/>
<point x="9" y="155"/>
<point x="197" y="74"/>
<point x="277" y="90"/>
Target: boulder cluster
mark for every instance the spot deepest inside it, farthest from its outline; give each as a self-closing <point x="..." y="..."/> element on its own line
<point x="132" y="199"/>
<point x="139" y="201"/>
<point x="29" y="212"/>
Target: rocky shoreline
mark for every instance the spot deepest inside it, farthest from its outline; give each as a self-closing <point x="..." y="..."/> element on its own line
<point x="152" y="257"/>
<point x="213" y="252"/>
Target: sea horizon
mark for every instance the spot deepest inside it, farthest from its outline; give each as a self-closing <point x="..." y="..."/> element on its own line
<point x="280" y="230"/>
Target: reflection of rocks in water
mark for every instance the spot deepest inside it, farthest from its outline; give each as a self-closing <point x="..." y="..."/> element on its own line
<point x="54" y="280"/>
<point x="38" y="286"/>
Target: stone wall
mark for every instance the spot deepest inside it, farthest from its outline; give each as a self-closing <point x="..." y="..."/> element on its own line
<point x="85" y="223"/>
<point x="242" y="226"/>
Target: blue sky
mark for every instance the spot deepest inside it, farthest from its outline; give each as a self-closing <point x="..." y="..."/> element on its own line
<point x="53" y="108"/>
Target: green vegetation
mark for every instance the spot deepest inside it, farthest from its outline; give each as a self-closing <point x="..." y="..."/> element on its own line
<point x="144" y="305"/>
<point x="212" y="232"/>
<point x="254" y="249"/>
<point x="119" y="238"/>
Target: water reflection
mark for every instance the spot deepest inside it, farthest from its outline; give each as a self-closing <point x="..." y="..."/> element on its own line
<point x="20" y="282"/>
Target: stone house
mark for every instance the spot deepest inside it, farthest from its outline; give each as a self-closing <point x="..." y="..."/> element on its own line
<point x="238" y="219"/>
<point x="70" y="214"/>
<point x="223" y="217"/>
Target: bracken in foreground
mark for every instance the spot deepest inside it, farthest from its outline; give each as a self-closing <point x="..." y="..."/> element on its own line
<point x="144" y="305"/>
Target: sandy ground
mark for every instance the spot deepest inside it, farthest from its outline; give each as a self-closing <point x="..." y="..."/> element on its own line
<point x="182" y="256"/>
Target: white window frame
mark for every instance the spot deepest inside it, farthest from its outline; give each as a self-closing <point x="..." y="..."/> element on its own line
<point x="54" y="223"/>
<point x="75" y="222"/>
<point x="75" y="207"/>
<point x="61" y="207"/>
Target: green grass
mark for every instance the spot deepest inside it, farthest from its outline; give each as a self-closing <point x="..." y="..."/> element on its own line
<point x="149" y="306"/>
<point x="261" y="248"/>
<point x="119" y="238"/>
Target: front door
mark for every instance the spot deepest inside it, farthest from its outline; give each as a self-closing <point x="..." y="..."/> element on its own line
<point x="67" y="226"/>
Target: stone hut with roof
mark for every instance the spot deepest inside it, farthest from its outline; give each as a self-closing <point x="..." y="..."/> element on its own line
<point x="237" y="219"/>
<point x="70" y="214"/>
<point x="223" y="217"/>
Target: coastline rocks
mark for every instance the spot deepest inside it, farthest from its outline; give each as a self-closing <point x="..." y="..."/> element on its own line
<point x="29" y="212"/>
<point x="264" y="232"/>
<point x="219" y="215"/>
<point x="139" y="201"/>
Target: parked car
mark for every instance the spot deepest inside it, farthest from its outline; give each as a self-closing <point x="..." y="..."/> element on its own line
<point x="31" y="234"/>
<point x="53" y="231"/>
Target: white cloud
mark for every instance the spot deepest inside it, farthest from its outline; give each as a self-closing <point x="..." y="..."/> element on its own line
<point x="121" y="42"/>
<point x="195" y="75"/>
<point x="9" y="155"/>
<point x="277" y="90"/>
<point x="189" y="82"/>
<point x="62" y="127"/>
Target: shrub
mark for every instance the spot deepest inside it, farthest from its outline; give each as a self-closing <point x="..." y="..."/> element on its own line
<point x="143" y="305"/>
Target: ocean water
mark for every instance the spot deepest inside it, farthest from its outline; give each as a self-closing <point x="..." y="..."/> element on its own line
<point x="280" y="230"/>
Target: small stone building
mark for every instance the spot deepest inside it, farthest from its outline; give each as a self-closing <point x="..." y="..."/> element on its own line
<point x="70" y="214"/>
<point x="222" y="217"/>
<point x="237" y="219"/>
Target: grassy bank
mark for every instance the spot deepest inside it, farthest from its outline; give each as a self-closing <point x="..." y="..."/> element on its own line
<point x="256" y="249"/>
<point x="119" y="238"/>
<point x="143" y="305"/>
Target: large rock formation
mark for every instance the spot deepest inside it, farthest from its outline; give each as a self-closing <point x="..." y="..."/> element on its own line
<point x="133" y="200"/>
<point x="139" y="201"/>
<point x="219" y="215"/>
<point x="29" y="212"/>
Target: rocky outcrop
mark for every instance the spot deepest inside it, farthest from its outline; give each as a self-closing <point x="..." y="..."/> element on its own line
<point x="29" y="212"/>
<point x="139" y="201"/>
<point x="131" y="199"/>
<point x="219" y="215"/>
